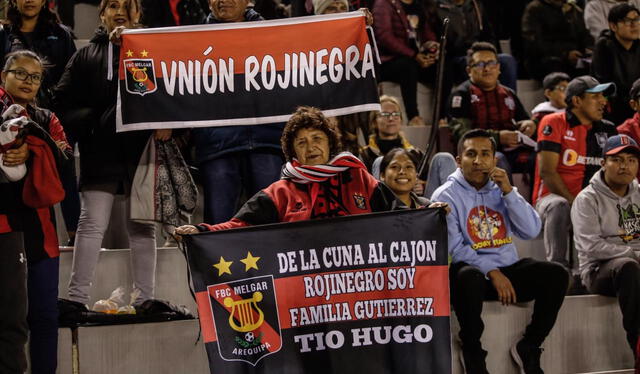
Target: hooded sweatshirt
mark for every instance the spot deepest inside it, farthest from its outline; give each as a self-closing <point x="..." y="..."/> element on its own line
<point x="605" y="225"/>
<point x="482" y="222"/>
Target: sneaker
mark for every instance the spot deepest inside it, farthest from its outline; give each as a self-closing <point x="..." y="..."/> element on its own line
<point x="527" y="358"/>
<point x="473" y="361"/>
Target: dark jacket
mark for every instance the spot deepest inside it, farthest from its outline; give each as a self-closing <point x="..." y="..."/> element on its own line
<point x="212" y="142"/>
<point x="468" y="23"/>
<point x="38" y="224"/>
<point x="613" y="63"/>
<point x="391" y="29"/>
<point x="52" y="42"/>
<point x="156" y="13"/>
<point x="85" y="100"/>
<point x="353" y="191"/>
<point x="549" y="33"/>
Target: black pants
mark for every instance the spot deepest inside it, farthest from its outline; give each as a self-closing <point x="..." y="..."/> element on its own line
<point x="13" y="304"/>
<point x="407" y="73"/>
<point x="544" y="282"/>
<point x="620" y="277"/>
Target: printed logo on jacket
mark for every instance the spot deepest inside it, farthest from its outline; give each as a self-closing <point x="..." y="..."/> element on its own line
<point x="487" y="228"/>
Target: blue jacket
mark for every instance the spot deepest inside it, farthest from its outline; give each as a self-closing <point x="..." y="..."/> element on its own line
<point x="482" y="222"/>
<point x="213" y="142"/>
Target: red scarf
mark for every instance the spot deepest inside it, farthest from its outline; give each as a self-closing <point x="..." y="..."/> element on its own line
<point x="42" y="187"/>
<point x="304" y="174"/>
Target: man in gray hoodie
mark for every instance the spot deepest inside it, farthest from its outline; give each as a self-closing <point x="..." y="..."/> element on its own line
<point x="606" y="228"/>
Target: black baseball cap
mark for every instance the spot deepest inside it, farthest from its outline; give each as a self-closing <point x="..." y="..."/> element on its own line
<point x="588" y="84"/>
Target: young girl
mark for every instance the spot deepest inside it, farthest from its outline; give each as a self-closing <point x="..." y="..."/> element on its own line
<point x="21" y="78"/>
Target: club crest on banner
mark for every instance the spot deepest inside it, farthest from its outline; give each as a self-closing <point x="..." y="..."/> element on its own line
<point x="140" y="76"/>
<point x="246" y="319"/>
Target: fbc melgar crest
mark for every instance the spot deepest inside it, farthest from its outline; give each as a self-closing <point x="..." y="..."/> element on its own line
<point x="245" y="317"/>
<point x="140" y="76"/>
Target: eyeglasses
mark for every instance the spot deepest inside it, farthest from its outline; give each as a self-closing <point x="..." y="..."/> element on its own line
<point x="387" y="115"/>
<point x="22" y="75"/>
<point x="485" y="64"/>
<point x="631" y="21"/>
<point x="560" y="88"/>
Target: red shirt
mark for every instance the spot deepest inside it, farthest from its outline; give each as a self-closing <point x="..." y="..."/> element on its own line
<point x="579" y="146"/>
<point x="174" y="10"/>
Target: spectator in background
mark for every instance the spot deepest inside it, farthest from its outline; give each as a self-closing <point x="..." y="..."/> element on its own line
<point x="468" y="24"/>
<point x="85" y="98"/>
<point x="554" y="86"/>
<point x="596" y="13"/>
<point x="33" y="26"/>
<point x="482" y="102"/>
<point x="386" y="127"/>
<point x="162" y="13"/>
<point x="330" y="6"/>
<point x="235" y="158"/>
<point x="606" y="229"/>
<point x="21" y="77"/>
<point x="555" y="38"/>
<point x="570" y="147"/>
<point x="486" y="213"/>
<point x="616" y="57"/>
<point x="631" y="126"/>
<point x="405" y="33"/>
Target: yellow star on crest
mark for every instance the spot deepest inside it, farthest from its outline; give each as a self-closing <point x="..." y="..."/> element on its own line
<point x="223" y="266"/>
<point x="250" y="262"/>
<point x="129" y="53"/>
<point x="144" y="53"/>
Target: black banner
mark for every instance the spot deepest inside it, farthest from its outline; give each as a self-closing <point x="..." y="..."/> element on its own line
<point x="366" y="293"/>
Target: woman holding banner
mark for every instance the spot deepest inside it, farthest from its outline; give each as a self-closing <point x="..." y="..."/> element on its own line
<point x="86" y="100"/>
<point x="318" y="180"/>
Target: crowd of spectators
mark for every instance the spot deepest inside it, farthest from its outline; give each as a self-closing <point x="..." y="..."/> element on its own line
<point x="585" y="54"/>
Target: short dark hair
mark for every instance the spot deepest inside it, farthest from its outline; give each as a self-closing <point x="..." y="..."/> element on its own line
<point x="306" y="117"/>
<point x="479" y="47"/>
<point x="476" y="133"/>
<point x="620" y="11"/>
<point x="551" y="80"/>
<point x="386" y="160"/>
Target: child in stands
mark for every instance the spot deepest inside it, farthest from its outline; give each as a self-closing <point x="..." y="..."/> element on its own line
<point x="554" y="85"/>
<point x="32" y="202"/>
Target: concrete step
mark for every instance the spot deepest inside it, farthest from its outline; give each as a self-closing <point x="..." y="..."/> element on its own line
<point x="145" y="348"/>
<point x="113" y="270"/>
<point x="587" y="337"/>
<point x="424" y="99"/>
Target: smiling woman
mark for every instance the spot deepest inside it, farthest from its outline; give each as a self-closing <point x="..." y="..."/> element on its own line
<point x="318" y="180"/>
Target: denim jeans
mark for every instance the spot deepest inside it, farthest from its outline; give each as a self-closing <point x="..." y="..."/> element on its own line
<point x="224" y="178"/>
